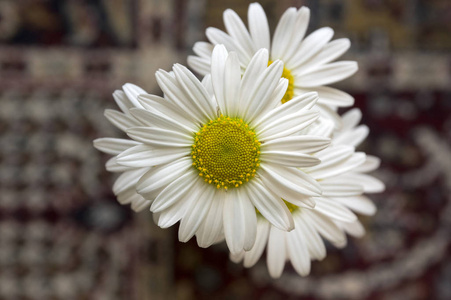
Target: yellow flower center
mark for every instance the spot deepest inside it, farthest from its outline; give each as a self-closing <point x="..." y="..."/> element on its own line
<point x="290" y="90"/>
<point x="226" y="152"/>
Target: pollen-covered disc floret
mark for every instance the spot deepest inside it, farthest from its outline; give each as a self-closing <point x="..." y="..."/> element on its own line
<point x="226" y="152"/>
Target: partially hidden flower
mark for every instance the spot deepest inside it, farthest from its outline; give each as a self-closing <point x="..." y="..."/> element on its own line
<point x="308" y="60"/>
<point x="211" y="153"/>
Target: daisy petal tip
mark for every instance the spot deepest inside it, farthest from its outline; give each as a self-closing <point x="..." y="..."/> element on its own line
<point x="96" y="142"/>
<point x="304" y="9"/>
<point x="290" y="226"/>
<point x="262" y="51"/>
<point x="127" y="85"/>
<point x="346" y="42"/>
<point x="190" y="59"/>
<point x="255" y="5"/>
<point x="183" y="239"/>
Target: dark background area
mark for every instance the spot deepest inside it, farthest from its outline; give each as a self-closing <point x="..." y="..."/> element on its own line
<point x="62" y="233"/>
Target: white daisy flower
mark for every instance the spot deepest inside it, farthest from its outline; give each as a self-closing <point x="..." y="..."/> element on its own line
<point x="125" y="185"/>
<point x="307" y="61"/>
<point x="218" y="150"/>
<point x="341" y="176"/>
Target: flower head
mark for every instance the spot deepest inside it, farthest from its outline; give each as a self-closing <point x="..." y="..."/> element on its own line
<point x="210" y="153"/>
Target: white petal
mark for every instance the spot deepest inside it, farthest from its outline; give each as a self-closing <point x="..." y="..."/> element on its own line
<point x="289" y="183"/>
<point x="359" y="204"/>
<point x="330" y="96"/>
<point x="310" y="47"/>
<point x="133" y="91"/>
<point x="369" y="183"/>
<point x="145" y="156"/>
<point x="328" y="113"/>
<point x="151" y="118"/>
<point x="203" y="49"/>
<point x="127" y="180"/>
<point x="160" y="137"/>
<point x="327" y="74"/>
<point x="260" y="95"/>
<point x="122" y="101"/>
<point x="128" y="196"/>
<point x="328" y="229"/>
<point x="290" y="124"/>
<point x="322" y="127"/>
<point x="334" y="209"/>
<point x="161" y="106"/>
<point x="211" y="228"/>
<point x="160" y="176"/>
<point x="206" y="82"/>
<point x="231" y="84"/>
<point x="120" y="120"/>
<point x="298" y="252"/>
<point x="336" y="160"/>
<point x="334" y="153"/>
<point x="332" y="170"/>
<point x="371" y="163"/>
<point x="202" y="195"/>
<point x="219" y="37"/>
<point x="282" y="35"/>
<point x="351" y="118"/>
<point x="341" y="186"/>
<point x="113" y="146"/>
<point x="327" y="54"/>
<point x="174" y="192"/>
<point x="237" y="257"/>
<point x="252" y="256"/>
<point x="355" y="228"/>
<point x="315" y="244"/>
<point x="239" y="221"/>
<point x="237" y="30"/>
<point x="176" y="96"/>
<point x="352" y="137"/>
<point x="276" y="96"/>
<point x="258" y="26"/>
<point x="140" y="204"/>
<point x="276" y="252"/>
<point x="289" y="158"/>
<point x="200" y="99"/>
<point x="218" y="62"/>
<point x="173" y="214"/>
<point x="301" y="102"/>
<point x="270" y="206"/>
<point x="199" y="64"/>
<point x="297" y="33"/>
<point x="256" y="67"/>
<point x="301" y="143"/>
<point x="113" y="166"/>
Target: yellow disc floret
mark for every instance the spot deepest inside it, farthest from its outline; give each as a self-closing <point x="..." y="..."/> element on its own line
<point x="290" y="90"/>
<point x="226" y="152"/>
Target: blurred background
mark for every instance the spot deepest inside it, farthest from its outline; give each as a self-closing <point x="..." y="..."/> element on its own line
<point x="62" y="233"/>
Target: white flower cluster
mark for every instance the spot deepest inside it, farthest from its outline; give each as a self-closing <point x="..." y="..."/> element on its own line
<point x="254" y="154"/>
